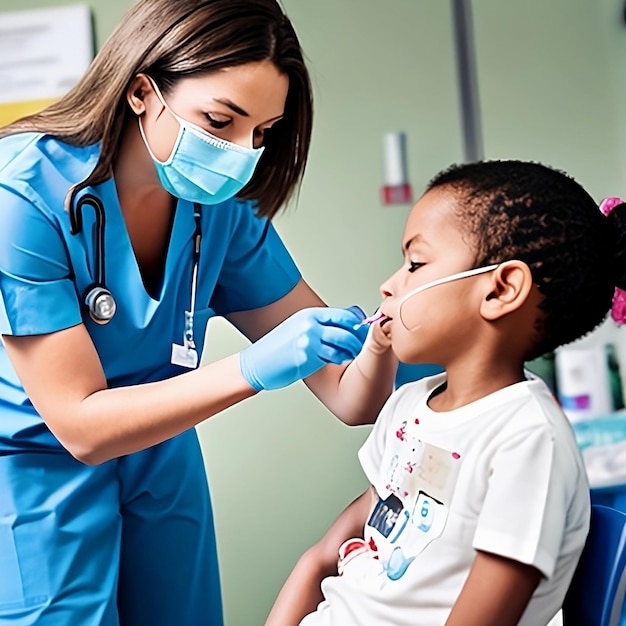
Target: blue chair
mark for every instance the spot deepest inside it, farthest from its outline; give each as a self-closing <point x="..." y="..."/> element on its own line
<point x="614" y="496"/>
<point x="596" y="594"/>
<point x="409" y="373"/>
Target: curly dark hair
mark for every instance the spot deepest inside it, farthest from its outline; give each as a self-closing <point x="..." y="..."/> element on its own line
<point x="540" y="215"/>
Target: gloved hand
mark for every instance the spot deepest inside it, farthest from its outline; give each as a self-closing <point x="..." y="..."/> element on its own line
<point x="301" y="345"/>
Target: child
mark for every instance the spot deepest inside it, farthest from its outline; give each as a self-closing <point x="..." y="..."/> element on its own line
<point x="478" y="508"/>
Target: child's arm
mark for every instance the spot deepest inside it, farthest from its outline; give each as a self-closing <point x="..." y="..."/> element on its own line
<point x="495" y="593"/>
<point x="356" y="393"/>
<point x="301" y="592"/>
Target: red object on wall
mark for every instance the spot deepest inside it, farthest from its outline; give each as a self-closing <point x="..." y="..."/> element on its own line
<point x="397" y="194"/>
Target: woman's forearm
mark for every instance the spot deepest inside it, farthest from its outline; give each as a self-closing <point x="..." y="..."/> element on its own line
<point x="113" y="422"/>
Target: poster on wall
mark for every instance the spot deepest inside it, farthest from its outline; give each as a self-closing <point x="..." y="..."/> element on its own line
<point x="43" y="53"/>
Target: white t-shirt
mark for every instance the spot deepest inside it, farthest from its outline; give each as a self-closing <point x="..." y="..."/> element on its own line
<point x="502" y="474"/>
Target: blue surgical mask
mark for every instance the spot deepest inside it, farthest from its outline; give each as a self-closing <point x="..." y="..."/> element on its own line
<point x="201" y="167"/>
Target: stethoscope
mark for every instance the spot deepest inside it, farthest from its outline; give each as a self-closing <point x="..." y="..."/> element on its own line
<point x="97" y="298"/>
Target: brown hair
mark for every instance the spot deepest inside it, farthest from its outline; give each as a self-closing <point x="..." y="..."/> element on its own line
<point x="172" y="39"/>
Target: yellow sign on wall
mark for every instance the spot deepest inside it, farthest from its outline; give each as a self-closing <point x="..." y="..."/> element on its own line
<point x="43" y="53"/>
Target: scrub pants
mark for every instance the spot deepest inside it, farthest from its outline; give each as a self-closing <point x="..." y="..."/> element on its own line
<point x="127" y="543"/>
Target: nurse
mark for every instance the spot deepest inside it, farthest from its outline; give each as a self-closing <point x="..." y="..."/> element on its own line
<point x="132" y="211"/>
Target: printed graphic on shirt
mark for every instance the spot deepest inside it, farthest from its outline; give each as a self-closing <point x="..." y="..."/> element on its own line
<point x="421" y="479"/>
<point x="359" y="560"/>
<point x="398" y="536"/>
<point x="385" y="514"/>
<point x="416" y="466"/>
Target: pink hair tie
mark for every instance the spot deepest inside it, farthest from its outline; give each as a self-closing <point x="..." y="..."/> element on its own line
<point x="618" y="309"/>
<point x="608" y="204"/>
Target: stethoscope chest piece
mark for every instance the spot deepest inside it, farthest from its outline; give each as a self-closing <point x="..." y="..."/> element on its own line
<point x="100" y="304"/>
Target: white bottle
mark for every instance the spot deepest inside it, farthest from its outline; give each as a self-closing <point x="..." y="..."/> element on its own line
<point x="583" y="383"/>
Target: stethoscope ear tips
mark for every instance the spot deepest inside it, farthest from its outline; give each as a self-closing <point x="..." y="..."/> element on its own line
<point x="100" y="304"/>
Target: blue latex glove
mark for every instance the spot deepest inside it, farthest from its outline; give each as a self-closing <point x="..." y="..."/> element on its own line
<point x="301" y="345"/>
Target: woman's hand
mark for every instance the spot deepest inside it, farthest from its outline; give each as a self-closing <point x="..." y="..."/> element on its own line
<point x="304" y="343"/>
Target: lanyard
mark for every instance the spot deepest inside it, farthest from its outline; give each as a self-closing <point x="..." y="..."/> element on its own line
<point x="186" y="355"/>
<point x="189" y="342"/>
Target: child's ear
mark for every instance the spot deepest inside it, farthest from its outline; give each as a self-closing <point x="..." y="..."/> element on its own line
<point x="511" y="282"/>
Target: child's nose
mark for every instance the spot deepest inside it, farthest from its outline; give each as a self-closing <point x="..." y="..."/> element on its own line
<point x="385" y="289"/>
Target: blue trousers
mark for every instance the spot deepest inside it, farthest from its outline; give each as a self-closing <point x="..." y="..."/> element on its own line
<point x="130" y="542"/>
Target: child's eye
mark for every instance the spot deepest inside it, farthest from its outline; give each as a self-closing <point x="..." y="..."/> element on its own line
<point x="414" y="265"/>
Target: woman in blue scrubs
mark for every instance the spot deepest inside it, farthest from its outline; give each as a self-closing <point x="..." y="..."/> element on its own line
<point x="132" y="211"/>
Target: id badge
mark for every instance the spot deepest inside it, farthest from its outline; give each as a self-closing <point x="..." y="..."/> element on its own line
<point x="184" y="356"/>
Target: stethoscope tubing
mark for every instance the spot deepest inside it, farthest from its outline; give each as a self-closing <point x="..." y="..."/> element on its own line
<point x="97" y="298"/>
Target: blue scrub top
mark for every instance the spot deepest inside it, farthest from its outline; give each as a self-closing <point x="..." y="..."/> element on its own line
<point x="45" y="271"/>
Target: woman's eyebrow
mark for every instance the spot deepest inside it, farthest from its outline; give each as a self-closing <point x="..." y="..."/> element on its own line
<point x="232" y="106"/>
<point x="237" y="109"/>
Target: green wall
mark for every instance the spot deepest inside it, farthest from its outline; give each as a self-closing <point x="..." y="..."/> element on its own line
<point x="551" y="79"/>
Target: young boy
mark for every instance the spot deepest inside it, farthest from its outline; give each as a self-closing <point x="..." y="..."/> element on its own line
<point x="478" y="508"/>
